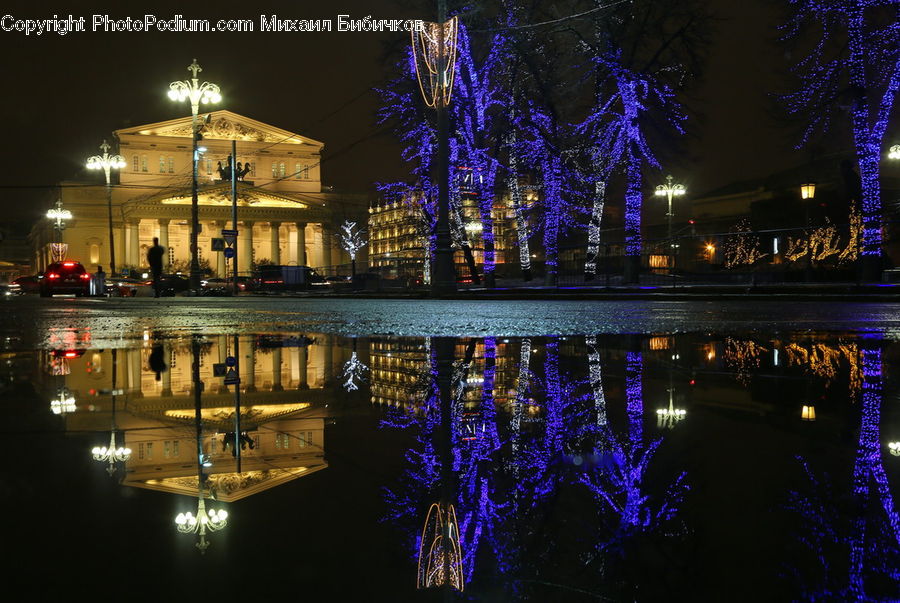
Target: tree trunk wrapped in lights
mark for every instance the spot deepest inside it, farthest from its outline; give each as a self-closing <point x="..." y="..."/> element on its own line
<point x="515" y="193"/>
<point x="852" y="67"/>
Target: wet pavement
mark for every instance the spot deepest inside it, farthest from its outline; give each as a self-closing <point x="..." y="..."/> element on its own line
<point x="415" y="450"/>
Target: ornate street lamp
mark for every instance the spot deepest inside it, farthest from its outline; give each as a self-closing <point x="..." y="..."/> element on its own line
<point x="671" y="416"/>
<point x="434" y="48"/>
<point x="894" y="447"/>
<point x="894" y="153"/>
<point x="670" y="190"/>
<point x="107" y="162"/>
<point x="64" y="402"/>
<point x="197" y="93"/>
<point x="187" y="523"/>
<point x="113" y="454"/>
<point x="59" y="215"/>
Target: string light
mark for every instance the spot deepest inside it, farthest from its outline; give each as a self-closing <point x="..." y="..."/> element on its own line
<point x="868" y="53"/>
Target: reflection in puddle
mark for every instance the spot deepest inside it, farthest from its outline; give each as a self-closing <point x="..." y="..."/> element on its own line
<point x="629" y="467"/>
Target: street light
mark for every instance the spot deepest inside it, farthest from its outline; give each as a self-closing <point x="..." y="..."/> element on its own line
<point x="670" y="190"/>
<point x="808" y="413"/>
<point x="894" y="153"/>
<point x="894" y="447"/>
<point x="196" y="93"/>
<point x="64" y="402"/>
<point x="187" y="523"/>
<point x="808" y="193"/>
<point x="107" y="162"/>
<point x="112" y="454"/>
<point x="669" y="417"/>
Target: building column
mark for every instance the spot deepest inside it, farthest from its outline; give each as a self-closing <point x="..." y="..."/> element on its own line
<point x="326" y="245"/>
<point x="301" y="243"/>
<point x="220" y="255"/>
<point x="132" y="244"/>
<point x="276" y="370"/>
<point x="164" y="239"/>
<point x="245" y="247"/>
<point x="248" y="367"/>
<point x="328" y="358"/>
<point x="167" y="374"/>
<point x="134" y="373"/>
<point x="275" y="254"/>
<point x="303" y="362"/>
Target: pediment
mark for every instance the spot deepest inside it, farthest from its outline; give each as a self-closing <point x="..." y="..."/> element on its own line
<point x="222" y="125"/>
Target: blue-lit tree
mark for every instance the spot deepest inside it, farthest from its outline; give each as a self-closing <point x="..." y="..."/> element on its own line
<point x="643" y="52"/>
<point x="853" y="545"/>
<point x="627" y="503"/>
<point x="852" y="68"/>
<point x="479" y="100"/>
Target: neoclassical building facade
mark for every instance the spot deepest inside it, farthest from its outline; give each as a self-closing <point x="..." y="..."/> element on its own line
<point x="285" y="216"/>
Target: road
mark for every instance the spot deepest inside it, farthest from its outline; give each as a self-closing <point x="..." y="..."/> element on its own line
<point x="35" y="321"/>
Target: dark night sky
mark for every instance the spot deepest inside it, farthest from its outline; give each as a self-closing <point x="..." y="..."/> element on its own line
<point x="65" y="93"/>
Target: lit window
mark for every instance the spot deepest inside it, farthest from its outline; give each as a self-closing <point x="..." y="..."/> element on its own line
<point x="141" y="451"/>
<point x="281" y="171"/>
<point x="162" y="164"/>
<point x="143" y="163"/>
<point x="149" y="450"/>
<point x="252" y="168"/>
<point x="171" y="165"/>
<point x="95" y="253"/>
<point x="135" y="163"/>
<point x="298" y="171"/>
<point x="175" y="451"/>
<point x="274" y="169"/>
<point x="166" y="449"/>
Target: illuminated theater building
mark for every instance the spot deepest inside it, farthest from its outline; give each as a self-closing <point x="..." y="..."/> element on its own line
<point x="285" y="214"/>
<point x="283" y="397"/>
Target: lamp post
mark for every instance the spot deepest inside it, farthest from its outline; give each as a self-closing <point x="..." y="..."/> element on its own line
<point x="107" y="162"/>
<point x="807" y="194"/>
<point x="59" y="215"/>
<point x="113" y="453"/>
<point x="435" y="59"/>
<point x="196" y="93"/>
<point x="894" y="152"/>
<point x="670" y="190"/>
<point x="187" y="523"/>
<point x="669" y="417"/>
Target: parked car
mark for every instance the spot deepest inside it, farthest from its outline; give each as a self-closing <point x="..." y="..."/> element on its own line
<point x="29" y="284"/>
<point x="124" y="287"/>
<point x="286" y="278"/>
<point x="65" y="277"/>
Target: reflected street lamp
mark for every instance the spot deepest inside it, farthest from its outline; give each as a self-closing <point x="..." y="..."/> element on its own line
<point x="894" y="153"/>
<point x="671" y="416"/>
<point x="213" y="521"/>
<point x="670" y="190"/>
<point x="196" y="93"/>
<point x="894" y="447"/>
<point x="107" y="162"/>
<point x="112" y="454"/>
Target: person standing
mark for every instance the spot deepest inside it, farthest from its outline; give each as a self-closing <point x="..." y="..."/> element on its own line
<point x="155" y="259"/>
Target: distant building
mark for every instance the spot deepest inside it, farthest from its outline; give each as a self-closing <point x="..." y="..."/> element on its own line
<point x="285" y="215"/>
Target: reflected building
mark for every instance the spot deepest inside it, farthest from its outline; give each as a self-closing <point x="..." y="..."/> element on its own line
<point x="281" y="412"/>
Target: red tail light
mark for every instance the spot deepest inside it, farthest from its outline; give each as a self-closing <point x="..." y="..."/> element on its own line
<point x="85" y="276"/>
<point x="68" y="264"/>
<point x="71" y="354"/>
<point x="52" y="275"/>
